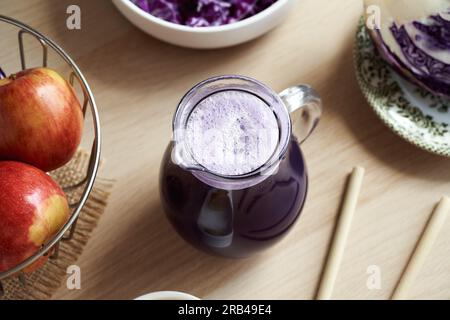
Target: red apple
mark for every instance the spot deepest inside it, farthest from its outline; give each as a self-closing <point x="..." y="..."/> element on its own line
<point x="33" y="208"/>
<point x="41" y="120"/>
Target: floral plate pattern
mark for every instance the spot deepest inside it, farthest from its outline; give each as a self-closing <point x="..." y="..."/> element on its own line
<point x="415" y="114"/>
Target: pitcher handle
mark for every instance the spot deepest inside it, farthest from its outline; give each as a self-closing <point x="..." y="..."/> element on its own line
<point x="305" y="106"/>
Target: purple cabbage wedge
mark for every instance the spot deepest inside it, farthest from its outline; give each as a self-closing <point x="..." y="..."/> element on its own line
<point x="414" y="38"/>
<point x="203" y="13"/>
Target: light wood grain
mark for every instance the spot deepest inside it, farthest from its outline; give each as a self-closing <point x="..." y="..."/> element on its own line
<point x="138" y="81"/>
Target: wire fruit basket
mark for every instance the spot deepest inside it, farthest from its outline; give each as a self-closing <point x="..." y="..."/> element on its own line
<point x="90" y="110"/>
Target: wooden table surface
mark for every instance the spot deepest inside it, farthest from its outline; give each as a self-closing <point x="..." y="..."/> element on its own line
<point x="137" y="82"/>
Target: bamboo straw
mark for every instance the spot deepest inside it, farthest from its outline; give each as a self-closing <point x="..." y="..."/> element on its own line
<point x="422" y="249"/>
<point x="341" y="234"/>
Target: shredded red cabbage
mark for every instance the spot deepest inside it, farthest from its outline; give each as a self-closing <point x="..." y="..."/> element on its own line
<point x="417" y="60"/>
<point x="203" y="13"/>
<point x="437" y="34"/>
<point x="430" y="71"/>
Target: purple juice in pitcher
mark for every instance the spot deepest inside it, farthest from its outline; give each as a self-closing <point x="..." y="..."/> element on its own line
<point x="249" y="181"/>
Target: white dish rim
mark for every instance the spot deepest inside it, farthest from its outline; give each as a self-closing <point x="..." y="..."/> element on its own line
<point x="167" y="295"/>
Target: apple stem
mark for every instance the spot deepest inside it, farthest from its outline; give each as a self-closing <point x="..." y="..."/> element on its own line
<point x="2" y="74"/>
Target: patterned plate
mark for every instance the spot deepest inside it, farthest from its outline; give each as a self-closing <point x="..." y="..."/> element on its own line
<point x="413" y="113"/>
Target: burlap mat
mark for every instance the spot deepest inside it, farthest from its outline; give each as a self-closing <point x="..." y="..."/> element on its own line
<point x="43" y="283"/>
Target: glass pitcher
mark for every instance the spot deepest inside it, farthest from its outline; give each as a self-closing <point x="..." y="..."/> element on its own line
<point x="239" y="215"/>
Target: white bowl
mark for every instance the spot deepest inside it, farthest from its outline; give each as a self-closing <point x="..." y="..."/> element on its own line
<point x="167" y="295"/>
<point x="207" y="37"/>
